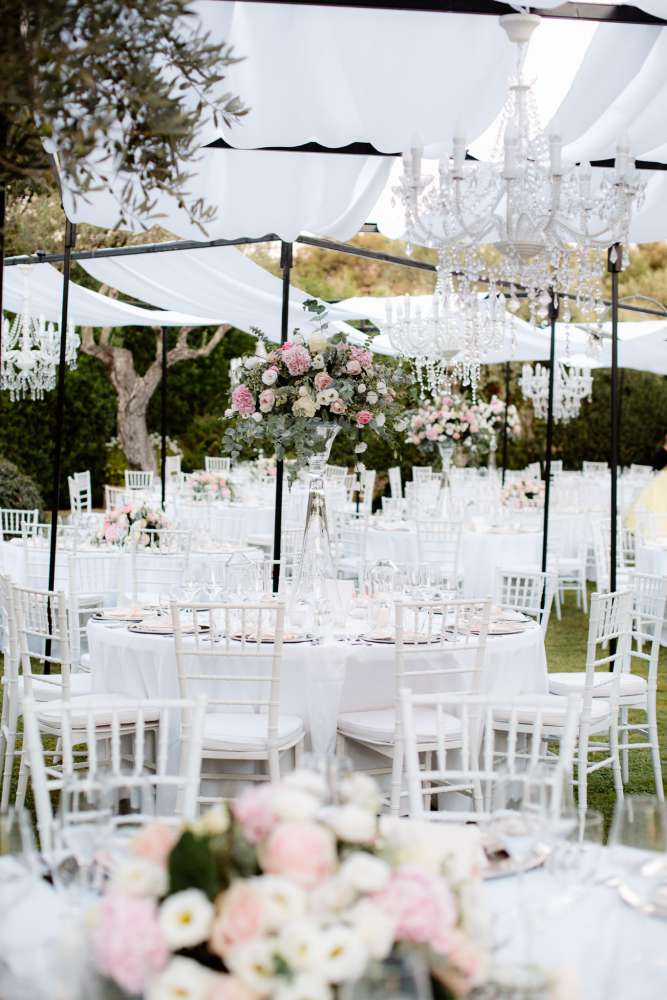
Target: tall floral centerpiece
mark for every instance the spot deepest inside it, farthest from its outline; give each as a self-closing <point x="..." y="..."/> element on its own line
<point x="206" y="486"/>
<point x="293" y="401"/>
<point x="446" y="425"/>
<point x="491" y="420"/>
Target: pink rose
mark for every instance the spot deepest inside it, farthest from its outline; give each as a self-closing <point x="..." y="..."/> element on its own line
<point x="254" y="813"/>
<point x="338" y="406"/>
<point x="417" y="422"/>
<point x="456" y="435"/>
<point x="297" y="359"/>
<point x="240" y="918"/>
<point x="266" y="400"/>
<point x="353" y="368"/>
<point x="421" y="906"/>
<point x="364" y="417"/>
<point x="288" y="345"/>
<point x="432" y="433"/>
<point x="322" y="380"/>
<point x="127" y="941"/>
<point x="362" y="356"/>
<point x="154" y="843"/>
<point x="225" y="987"/>
<point x="301" y="850"/>
<point x="127" y="508"/>
<point x="243" y="400"/>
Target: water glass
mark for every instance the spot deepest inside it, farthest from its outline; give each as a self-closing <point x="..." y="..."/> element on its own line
<point x="84" y="826"/>
<point x="638" y="840"/>
<point x="576" y="849"/>
<point x="18" y="850"/>
<point x="402" y="976"/>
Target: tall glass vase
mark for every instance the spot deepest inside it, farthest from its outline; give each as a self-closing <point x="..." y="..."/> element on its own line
<point x="493" y="447"/>
<point x="446" y="449"/>
<point x="315" y="591"/>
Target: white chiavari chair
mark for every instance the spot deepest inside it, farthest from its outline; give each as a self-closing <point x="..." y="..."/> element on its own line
<point x="439" y="544"/>
<point x="367" y="490"/>
<point x="17" y="523"/>
<point x="425" y="634"/>
<point x="136" y="736"/>
<point x="172" y="468"/>
<point x="117" y="496"/>
<point x="527" y="591"/>
<point x="422" y="473"/>
<point x="395" y="482"/>
<point x="236" y="660"/>
<point x="94" y="582"/>
<point x="473" y="765"/>
<point x="533" y="470"/>
<point x="601" y="531"/>
<point x="11" y="694"/>
<point x="351" y="538"/>
<point x="641" y="470"/>
<point x="216" y="463"/>
<point x="594" y="468"/>
<point x="556" y="466"/>
<point x="139" y="479"/>
<point x="80" y="493"/>
<point x="337" y="473"/>
<point x="567" y="559"/>
<point x="159" y="560"/>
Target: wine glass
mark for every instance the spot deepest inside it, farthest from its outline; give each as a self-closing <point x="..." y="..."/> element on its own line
<point x="576" y="852"/>
<point x="18" y="851"/>
<point x="83" y="827"/>
<point x="638" y="842"/>
<point x="403" y="975"/>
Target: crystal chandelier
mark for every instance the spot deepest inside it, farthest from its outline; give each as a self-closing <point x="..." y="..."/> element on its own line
<point x="571" y="386"/>
<point x="445" y="342"/>
<point x="547" y="222"/>
<point x="31" y="351"/>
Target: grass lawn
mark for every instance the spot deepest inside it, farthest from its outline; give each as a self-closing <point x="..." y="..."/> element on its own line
<point x="566" y="650"/>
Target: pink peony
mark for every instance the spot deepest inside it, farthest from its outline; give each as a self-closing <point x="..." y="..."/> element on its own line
<point x="267" y="399"/>
<point x="243" y="400"/>
<point x="127" y="941"/>
<point x="287" y="346"/>
<point x="322" y="380"/>
<point x="301" y="850"/>
<point x="224" y="987"/>
<point x="239" y="919"/>
<point x="362" y="356"/>
<point x="154" y="843"/>
<point x="338" y="406"/>
<point x="254" y="813"/>
<point x="364" y="417"/>
<point x="432" y="433"/>
<point x="297" y="359"/>
<point x="353" y="367"/>
<point x="421" y="906"/>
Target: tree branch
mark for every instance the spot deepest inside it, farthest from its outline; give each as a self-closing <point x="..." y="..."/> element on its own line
<point x="183" y="352"/>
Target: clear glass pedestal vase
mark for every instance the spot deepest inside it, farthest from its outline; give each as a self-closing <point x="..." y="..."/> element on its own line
<point x="314" y="601"/>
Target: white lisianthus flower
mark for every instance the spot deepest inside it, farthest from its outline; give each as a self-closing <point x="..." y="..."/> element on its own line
<point x="362" y="790"/>
<point x="318" y="361"/>
<point x="360" y="448"/>
<point x="361" y="388"/>
<point x="400" y="425"/>
<point x="352" y="824"/>
<point x="307" y="781"/>
<point x="257" y="417"/>
<point x="253" y="963"/>
<point x="270" y="376"/>
<point x="292" y="803"/>
<point x="138" y="877"/>
<point x="373" y="926"/>
<point x="282" y="900"/>
<point x="214" y="822"/>
<point x="304" y="987"/>
<point x="300" y="944"/>
<point x="382" y="388"/>
<point x="326" y="397"/>
<point x="372" y="397"/>
<point x="332" y="896"/>
<point x="317" y="343"/>
<point x="364" y="872"/>
<point x="379" y="419"/>
<point x="182" y="979"/>
<point x="345" y="955"/>
<point x="186" y="918"/>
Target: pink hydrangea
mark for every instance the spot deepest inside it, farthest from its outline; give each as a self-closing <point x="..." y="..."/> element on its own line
<point x="301" y="850"/>
<point x="322" y="380"/>
<point x="127" y="941"/>
<point x="421" y="906"/>
<point x="243" y="400"/>
<point x="364" y="357"/>
<point x="297" y="359"/>
<point x="364" y="417"/>
<point x="254" y="812"/>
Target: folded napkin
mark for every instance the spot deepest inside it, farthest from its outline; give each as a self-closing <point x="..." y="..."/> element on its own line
<point x="120" y="614"/>
<point x="269" y="636"/>
<point x="161" y="626"/>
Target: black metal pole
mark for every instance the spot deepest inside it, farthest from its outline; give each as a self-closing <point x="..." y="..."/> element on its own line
<point x="286" y="260"/>
<point x="553" y="316"/>
<point x="163" y="419"/>
<point x="506" y="420"/>
<point x="614" y="266"/>
<point x="3" y="199"/>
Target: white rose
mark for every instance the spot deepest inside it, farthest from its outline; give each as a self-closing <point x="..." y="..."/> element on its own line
<point x="345" y="955"/>
<point x="317" y="343"/>
<point x="307" y="781"/>
<point x="317" y="362"/>
<point x="304" y="987"/>
<point x="361" y="388"/>
<point x="382" y="388"/>
<point x="352" y="824"/>
<point x="362" y="790"/>
<point x="364" y="872"/>
<point x="183" y="978"/>
<point x="372" y="397"/>
<point x="282" y="900"/>
<point x="360" y="448"/>
<point x="137" y="877"/>
<point x="332" y="896"/>
<point x="270" y="376"/>
<point x="254" y="965"/>
<point x="253" y="361"/>
<point x="293" y="804"/>
<point x="400" y="424"/>
<point x="185" y="918"/>
<point x="214" y="822"/>
<point x="300" y="944"/>
<point x="257" y="417"/>
<point x="229" y="413"/>
<point x="373" y="926"/>
<point x="379" y="419"/>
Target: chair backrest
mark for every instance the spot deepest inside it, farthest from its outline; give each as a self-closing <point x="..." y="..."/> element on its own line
<point x="395" y="482"/>
<point x="335" y="472"/>
<point x="640" y="470"/>
<point x="243" y="630"/>
<point x="93" y="582"/>
<point x="116" y="496"/>
<point x="139" y="479"/>
<point x="176" y="720"/>
<point x="18" y="522"/>
<point x="154" y="572"/>
<point x="533" y="470"/>
<point x="485" y="749"/>
<point x="41" y="621"/>
<point x="594" y="468"/>
<point x="649" y="600"/>
<point x="601" y="551"/>
<point x="367" y="490"/>
<point x="608" y="644"/>
<point x="530" y="592"/>
<point x="439" y="542"/>
<point x="351" y="535"/>
<point x="216" y="463"/>
<point x="422" y="473"/>
<point x="80" y="492"/>
<point x="291" y="547"/>
<point x="556" y="465"/>
<point x="9" y="641"/>
<point x="172" y="465"/>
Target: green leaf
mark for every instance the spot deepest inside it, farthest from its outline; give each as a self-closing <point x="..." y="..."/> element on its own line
<point x="192" y="865"/>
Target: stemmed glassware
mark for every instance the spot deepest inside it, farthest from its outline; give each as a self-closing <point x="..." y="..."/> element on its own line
<point x="84" y="826"/>
<point x="638" y="842"/>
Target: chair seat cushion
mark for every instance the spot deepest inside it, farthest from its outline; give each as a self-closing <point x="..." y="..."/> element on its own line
<point x="630" y="684"/>
<point x="50" y="715"/>
<point x="552" y="716"/>
<point x="245" y="731"/>
<point x="85" y="661"/>
<point x="43" y="691"/>
<point x="378" y="725"/>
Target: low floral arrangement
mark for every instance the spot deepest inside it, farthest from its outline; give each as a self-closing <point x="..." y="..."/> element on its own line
<point x="210" y="486"/>
<point x="128" y="523"/>
<point x="284" y="896"/>
<point x="284" y="397"/>
<point x="263" y="468"/>
<point x="524" y="493"/>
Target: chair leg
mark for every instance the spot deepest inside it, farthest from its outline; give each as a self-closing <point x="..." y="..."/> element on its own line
<point x="655" y="750"/>
<point x="582" y="776"/>
<point x="558" y="607"/>
<point x="396" y="778"/>
<point x="298" y="755"/>
<point x="625" y="753"/>
<point x="274" y="766"/>
<point x="584" y="593"/>
<point x="10" y="753"/>
<point x="616" y="759"/>
<point x="22" y="783"/>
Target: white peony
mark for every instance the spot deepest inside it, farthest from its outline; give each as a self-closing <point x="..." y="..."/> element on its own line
<point x="364" y="872"/>
<point x="186" y="918"/>
<point x="307" y="781"/>
<point x="292" y="803"/>
<point x="304" y="406"/>
<point x="138" y="877"/>
<point x="344" y="954"/>
<point x="361" y="789"/>
<point x="304" y="987"/>
<point x="282" y="900"/>
<point x="331" y="896"/>
<point x="352" y="824"/>
<point x="373" y="926"/>
<point x="214" y="822"/>
<point x="379" y="419"/>
<point x="372" y="397"/>
<point x="270" y="376"/>
<point x="300" y="944"/>
<point x="325" y="397"/>
<point x="253" y="963"/>
<point x="317" y="343"/>
<point x="182" y="979"/>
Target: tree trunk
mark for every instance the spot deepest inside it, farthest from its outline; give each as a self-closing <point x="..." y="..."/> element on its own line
<point x="133" y="432"/>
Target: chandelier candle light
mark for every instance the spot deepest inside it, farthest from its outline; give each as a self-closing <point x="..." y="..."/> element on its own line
<point x="571" y="386"/>
<point x="547" y="220"/>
